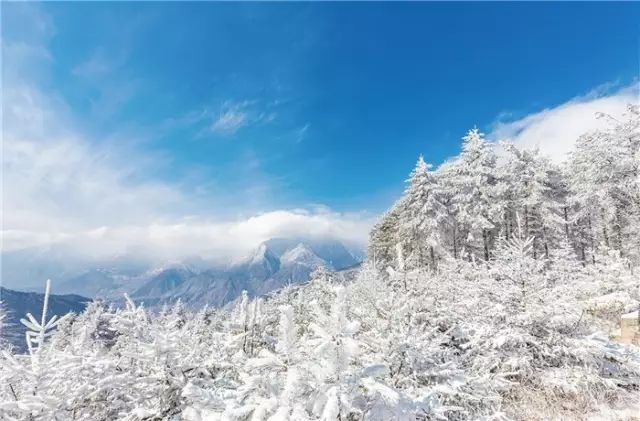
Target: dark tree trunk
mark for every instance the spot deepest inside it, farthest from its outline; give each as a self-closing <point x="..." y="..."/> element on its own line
<point x="455" y="241"/>
<point x="485" y="241"/>
<point x="593" y="244"/>
<point x="566" y="223"/>
<point x="618" y="228"/>
<point x="605" y="233"/>
<point x="506" y="226"/>
<point x="433" y="258"/>
<point x="546" y="244"/>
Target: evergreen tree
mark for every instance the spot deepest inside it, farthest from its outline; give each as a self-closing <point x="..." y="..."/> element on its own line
<point x="535" y="191"/>
<point x="422" y="215"/>
<point x="384" y="237"/>
<point x="603" y="172"/>
<point x="472" y="179"/>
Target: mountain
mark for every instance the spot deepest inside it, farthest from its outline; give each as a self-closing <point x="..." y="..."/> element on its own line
<point x="212" y="288"/>
<point x="27" y="269"/>
<point x="334" y="254"/>
<point x="92" y="283"/>
<point x="296" y="265"/>
<point x="17" y="304"/>
<point x="272" y="265"/>
<point x="164" y="280"/>
<point x="301" y="254"/>
<point x="259" y="265"/>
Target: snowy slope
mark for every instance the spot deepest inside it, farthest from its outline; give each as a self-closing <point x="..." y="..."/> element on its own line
<point x="164" y="281"/>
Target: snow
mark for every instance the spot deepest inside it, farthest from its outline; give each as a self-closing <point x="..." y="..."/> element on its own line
<point x="487" y="295"/>
<point x="372" y="348"/>
<point x="259" y="255"/>
<point x="301" y="254"/>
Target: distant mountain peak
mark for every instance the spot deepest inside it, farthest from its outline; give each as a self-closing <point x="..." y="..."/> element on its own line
<point x="172" y="265"/>
<point x="261" y="253"/>
<point x="164" y="280"/>
<point x="301" y="254"/>
<point x="258" y="265"/>
<point x="331" y="251"/>
<point x="256" y="256"/>
<point x="268" y="266"/>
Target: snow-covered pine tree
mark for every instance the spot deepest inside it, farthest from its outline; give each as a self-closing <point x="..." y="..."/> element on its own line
<point x="471" y="178"/>
<point x="534" y="190"/>
<point x="521" y="272"/>
<point x="384" y="236"/>
<point x="603" y="171"/>
<point x="421" y="217"/>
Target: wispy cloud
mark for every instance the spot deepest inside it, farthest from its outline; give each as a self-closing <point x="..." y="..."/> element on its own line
<point x="98" y="198"/>
<point x="229" y="117"/>
<point x="301" y="133"/>
<point x="98" y="65"/>
<point x="555" y="130"/>
<point x="230" y="121"/>
<point x="60" y="188"/>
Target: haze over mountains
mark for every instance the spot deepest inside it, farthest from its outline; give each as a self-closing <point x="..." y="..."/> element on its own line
<point x="195" y="281"/>
<point x="273" y="264"/>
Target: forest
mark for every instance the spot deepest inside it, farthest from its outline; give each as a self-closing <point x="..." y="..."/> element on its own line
<point x="588" y="204"/>
<point x="493" y="290"/>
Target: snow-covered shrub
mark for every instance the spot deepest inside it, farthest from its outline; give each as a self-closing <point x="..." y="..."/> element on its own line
<point x="511" y="339"/>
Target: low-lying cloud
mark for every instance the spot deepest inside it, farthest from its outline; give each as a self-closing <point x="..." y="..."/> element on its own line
<point x="209" y="239"/>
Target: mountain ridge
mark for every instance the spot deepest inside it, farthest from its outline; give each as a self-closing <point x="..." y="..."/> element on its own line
<point x="17" y="304"/>
<point x="271" y="265"/>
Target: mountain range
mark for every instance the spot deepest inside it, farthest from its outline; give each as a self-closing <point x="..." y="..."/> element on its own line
<point x="271" y="265"/>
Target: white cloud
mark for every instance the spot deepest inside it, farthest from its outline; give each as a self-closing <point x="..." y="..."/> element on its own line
<point x="555" y="130"/>
<point x="301" y="133"/>
<point x="60" y="188"/>
<point x="217" y="240"/>
<point x="230" y="121"/>
<point x="55" y="179"/>
<point x="94" y="197"/>
<point x="231" y="116"/>
<point x="96" y="66"/>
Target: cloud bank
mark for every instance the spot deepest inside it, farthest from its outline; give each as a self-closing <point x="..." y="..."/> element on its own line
<point x="60" y="188"/>
<point x="555" y="130"/>
<point x="210" y="239"/>
<point x="98" y="197"/>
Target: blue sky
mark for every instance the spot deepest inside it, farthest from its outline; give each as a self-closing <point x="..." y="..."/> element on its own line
<point x="244" y="108"/>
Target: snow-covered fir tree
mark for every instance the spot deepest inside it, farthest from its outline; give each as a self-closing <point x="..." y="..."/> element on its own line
<point x="471" y="178"/>
<point x="421" y="216"/>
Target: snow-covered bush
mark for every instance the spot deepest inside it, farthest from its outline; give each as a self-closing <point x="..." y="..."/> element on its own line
<point x="507" y="340"/>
